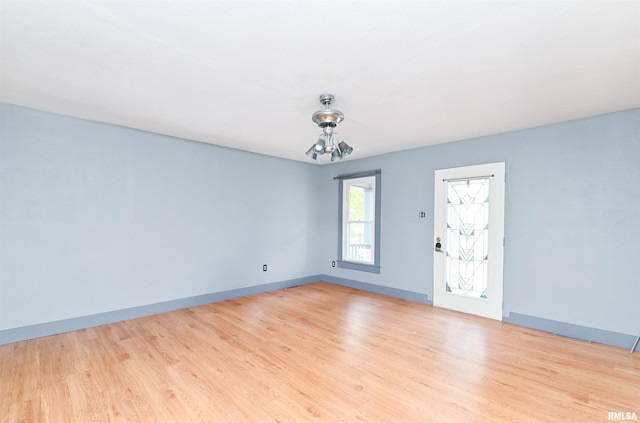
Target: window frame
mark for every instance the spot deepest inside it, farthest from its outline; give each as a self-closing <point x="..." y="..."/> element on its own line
<point x="375" y="267"/>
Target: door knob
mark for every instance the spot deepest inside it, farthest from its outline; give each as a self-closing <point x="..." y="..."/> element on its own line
<point x="438" y="245"/>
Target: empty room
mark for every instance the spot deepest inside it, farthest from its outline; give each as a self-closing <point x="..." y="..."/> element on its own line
<point x="354" y="211"/>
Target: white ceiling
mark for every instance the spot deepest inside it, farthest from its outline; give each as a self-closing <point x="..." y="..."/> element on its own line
<point x="248" y="74"/>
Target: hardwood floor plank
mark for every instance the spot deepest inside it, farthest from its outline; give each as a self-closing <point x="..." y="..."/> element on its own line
<point x="318" y="352"/>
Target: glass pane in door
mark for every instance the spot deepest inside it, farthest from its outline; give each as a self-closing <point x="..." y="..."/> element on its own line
<point x="467" y="237"/>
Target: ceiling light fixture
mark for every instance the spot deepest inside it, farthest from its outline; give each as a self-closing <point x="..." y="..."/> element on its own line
<point x="328" y="142"/>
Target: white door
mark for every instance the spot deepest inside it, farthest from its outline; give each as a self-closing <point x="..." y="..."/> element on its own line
<point x="469" y="244"/>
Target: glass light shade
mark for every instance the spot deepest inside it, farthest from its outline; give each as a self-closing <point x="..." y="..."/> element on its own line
<point x="312" y="153"/>
<point x="319" y="146"/>
<point x="345" y="148"/>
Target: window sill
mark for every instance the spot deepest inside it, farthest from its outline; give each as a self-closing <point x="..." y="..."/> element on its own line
<point x="359" y="266"/>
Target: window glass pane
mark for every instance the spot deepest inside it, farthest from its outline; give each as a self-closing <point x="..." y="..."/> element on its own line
<point x="359" y="217"/>
<point x="356" y="202"/>
<point x="359" y="246"/>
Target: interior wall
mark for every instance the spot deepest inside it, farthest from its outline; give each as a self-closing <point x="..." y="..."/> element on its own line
<point x="96" y="218"/>
<point x="572" y="218"/>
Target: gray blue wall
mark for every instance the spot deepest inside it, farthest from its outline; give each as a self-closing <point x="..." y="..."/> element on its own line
<point x="96" y="218"/>
<point x="572" y="220"/>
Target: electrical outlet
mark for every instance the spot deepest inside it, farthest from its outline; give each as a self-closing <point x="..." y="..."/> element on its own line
<point x="264" y="267"/>
<point x="333" y="264"/>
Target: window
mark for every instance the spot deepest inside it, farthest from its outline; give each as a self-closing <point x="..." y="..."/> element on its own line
<point x="359" y="225"/>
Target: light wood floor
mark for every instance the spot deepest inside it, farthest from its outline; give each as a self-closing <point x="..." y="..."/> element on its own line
<point x="316" y="352"/>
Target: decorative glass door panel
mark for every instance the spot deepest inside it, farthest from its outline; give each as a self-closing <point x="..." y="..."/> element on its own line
<point x="467" y="235"/>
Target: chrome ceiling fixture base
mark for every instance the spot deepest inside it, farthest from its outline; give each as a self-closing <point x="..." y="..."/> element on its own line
<point x="328" y="142"/>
